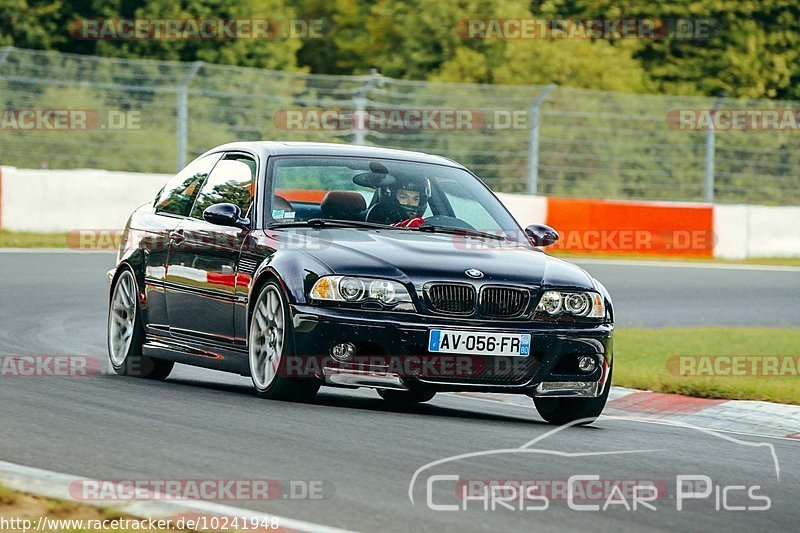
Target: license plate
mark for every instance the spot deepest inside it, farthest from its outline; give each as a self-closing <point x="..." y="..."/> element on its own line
<point x="467" y="342"/>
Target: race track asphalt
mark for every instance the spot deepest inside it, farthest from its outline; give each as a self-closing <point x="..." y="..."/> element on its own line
<point x="205" y="425"/>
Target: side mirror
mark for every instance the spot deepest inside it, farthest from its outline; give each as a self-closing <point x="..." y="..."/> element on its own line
<point x="541" y="235"/>
<point x="226" y="214"/>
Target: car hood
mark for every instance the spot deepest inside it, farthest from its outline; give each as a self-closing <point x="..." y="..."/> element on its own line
<point x="420" y="257"/>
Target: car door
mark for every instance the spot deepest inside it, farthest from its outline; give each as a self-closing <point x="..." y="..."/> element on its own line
<point x="172" y="205"/>
<point x="201" y="270"/>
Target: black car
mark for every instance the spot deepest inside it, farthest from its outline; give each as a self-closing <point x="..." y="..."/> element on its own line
<point x="305" y="264"/>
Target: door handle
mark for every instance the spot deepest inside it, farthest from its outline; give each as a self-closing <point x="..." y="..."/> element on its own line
<point x="177" y="236"/>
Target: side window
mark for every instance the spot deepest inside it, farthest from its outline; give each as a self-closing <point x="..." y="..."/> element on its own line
<point x="231" y="181"/>
<point x="179" y="193"/>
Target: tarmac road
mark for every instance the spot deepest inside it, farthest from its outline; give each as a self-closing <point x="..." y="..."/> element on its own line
<point x="205" y="425"/>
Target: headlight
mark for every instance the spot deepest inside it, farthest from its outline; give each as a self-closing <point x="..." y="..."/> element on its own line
<point x="351" y="289"/>
<point x="387" y="293"/>
<point x="579" y="304"/>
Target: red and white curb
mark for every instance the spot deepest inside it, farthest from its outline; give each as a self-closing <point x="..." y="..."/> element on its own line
<point x="738" y="416"/>
<point x="56" y="485"/>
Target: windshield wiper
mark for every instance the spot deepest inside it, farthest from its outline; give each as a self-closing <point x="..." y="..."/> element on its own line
<point x="335" y="222"/>
<point x="459" y="231"/>
<point x="322" y="222"/>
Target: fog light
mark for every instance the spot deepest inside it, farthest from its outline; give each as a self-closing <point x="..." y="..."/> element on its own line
<point x="587" y="364"/>
<point x="343" y="351"/>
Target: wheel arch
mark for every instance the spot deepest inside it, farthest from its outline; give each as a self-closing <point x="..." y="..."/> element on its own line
<point x="135" y="264"/>
<point x="263" y="277"/>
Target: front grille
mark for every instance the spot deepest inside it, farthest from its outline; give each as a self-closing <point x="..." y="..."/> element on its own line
<point x="482" y="370"/>
<point x="452" y="298"/>
<point x="503" y="302"/>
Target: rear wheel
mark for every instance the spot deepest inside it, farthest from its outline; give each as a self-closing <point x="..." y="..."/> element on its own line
<point x="406" y="397"/>
<point x="126" y="333"/>
<point x="270" y="347"/>
<point x="562" y="411"/>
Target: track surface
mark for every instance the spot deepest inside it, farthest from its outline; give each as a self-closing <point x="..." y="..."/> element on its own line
<point x="202" y="424"/>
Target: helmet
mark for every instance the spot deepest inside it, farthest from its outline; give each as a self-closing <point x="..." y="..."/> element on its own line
<point x="407" y="196"/>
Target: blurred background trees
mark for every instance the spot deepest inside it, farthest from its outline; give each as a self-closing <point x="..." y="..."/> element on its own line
<point x="751" y="52"/>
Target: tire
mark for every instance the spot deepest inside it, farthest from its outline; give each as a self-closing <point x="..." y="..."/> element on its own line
<point x="560" y="411"/>
<point x="403" y="397"/>
<point x="125" y="333"/>
<point x="270" y="344"/>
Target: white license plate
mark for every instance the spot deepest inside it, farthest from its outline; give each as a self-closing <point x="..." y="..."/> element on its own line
<point x="469" y="342"/>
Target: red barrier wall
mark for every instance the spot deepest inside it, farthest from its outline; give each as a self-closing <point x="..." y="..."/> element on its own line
<point x="631" y="228"/>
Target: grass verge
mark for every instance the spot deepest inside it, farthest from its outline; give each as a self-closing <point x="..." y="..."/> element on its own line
<point x="649" y="359"/>
<point x="7" y="496"/>
<point x="28" y="239"/>
<point x="761" y="261"/>
<point x="64" y="515"/>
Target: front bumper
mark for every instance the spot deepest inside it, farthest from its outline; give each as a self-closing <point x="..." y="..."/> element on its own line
<point x="392" y="353"/>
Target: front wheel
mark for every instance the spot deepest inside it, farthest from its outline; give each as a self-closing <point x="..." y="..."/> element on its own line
<point x="562" y="411"/>
<point x="126" y="334"/>
<point x="406" y="397"/>
<point x="270" y="347"/>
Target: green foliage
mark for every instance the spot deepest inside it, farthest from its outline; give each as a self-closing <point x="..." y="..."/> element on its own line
<point x="32" y="24"/>
<point x="46" y="24"/>
<point x="752" y="51"/>
<point x="591" y="143"/>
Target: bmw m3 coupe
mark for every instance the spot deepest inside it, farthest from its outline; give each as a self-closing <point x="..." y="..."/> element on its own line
<point x="304" y="265"/>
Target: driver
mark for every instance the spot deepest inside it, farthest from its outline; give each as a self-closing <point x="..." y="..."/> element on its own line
<point x="401" y="201"/>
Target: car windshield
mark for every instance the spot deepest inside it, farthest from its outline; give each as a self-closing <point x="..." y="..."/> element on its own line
<point x="386" y="192"/>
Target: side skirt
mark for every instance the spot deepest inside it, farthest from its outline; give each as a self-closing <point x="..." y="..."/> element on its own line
<point x="206" y="356"/>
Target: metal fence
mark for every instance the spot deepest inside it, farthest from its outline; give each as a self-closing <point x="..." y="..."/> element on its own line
<point x="151" y="116"/>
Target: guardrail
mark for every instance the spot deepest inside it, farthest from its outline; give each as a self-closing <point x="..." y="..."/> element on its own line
<point x="151" y="116"/>
<point x="98" y="200"/>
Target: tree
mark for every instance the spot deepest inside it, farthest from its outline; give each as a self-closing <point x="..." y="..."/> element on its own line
<point x="752" y="50"/>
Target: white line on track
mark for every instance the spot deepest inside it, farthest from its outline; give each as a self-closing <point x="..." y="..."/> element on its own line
<point x="627" y="418"/>
<point x="56" y="485"/>
<point x="679" y="425"/>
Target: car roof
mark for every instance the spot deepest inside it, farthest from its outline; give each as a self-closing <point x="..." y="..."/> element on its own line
<point x="275" y="148"/>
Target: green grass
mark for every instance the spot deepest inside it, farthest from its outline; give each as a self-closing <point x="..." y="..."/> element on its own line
<point x="27" y="239"/>
<point x="7" y="496"/>
<point x="768" y="261"/>
<point x="60" y="507"/>
<point x="641" y="357"/>
<point x="13" y="502"/>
